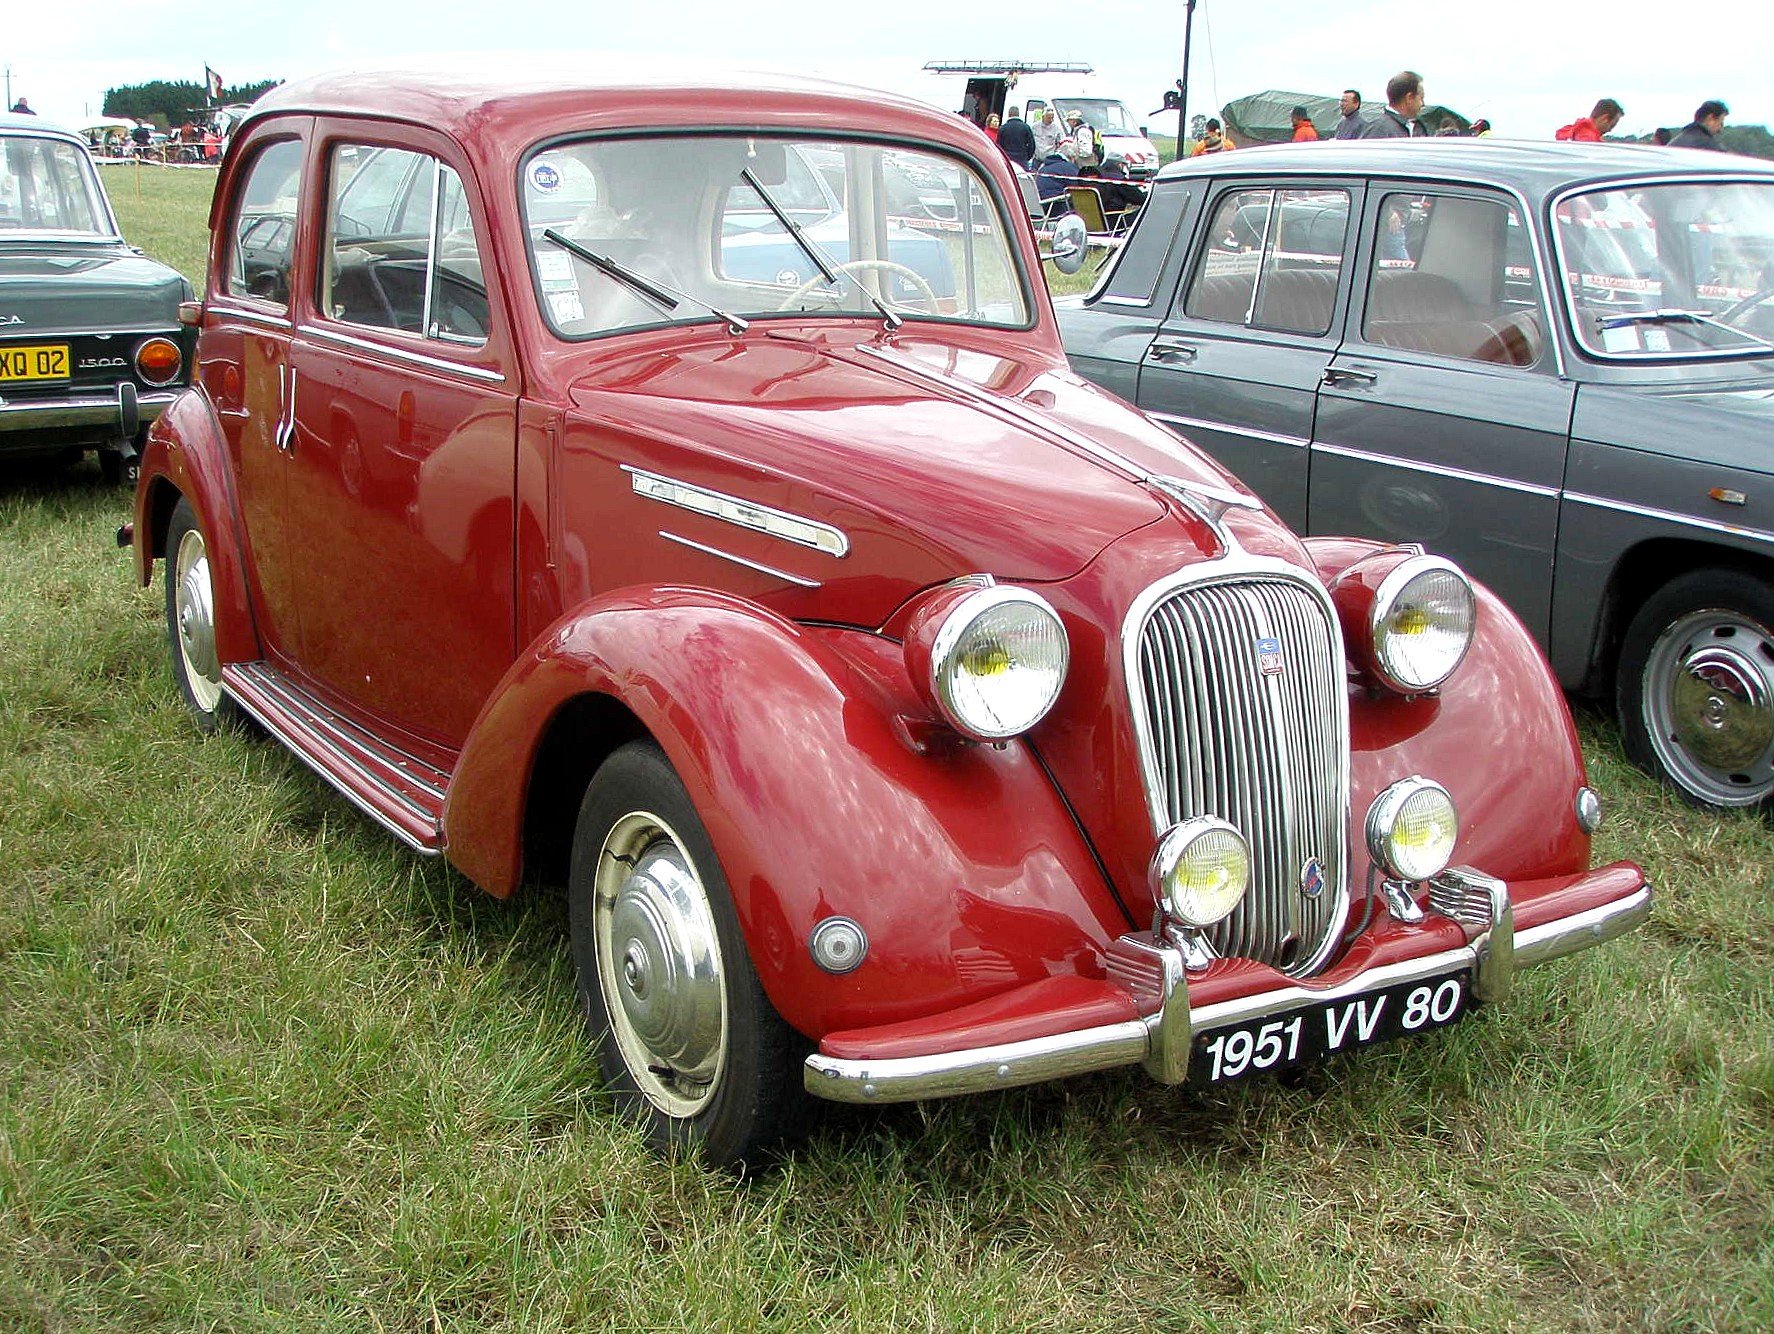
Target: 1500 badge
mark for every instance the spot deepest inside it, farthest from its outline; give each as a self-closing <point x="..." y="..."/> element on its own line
<point x="101" y="363"/>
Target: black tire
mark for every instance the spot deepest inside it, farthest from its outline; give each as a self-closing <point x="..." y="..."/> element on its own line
<point x="704" y="1066"/>
<point x="190" y="624"/>
<point x="1695" y="687"/>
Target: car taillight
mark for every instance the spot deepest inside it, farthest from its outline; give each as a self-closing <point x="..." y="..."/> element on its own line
<point x="158" y="360"/>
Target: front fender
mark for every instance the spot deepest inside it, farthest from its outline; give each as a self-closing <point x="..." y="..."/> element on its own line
<point x="1498" y="736"/>
<point x="187" y="455"/>
<point x="960" y="862"/>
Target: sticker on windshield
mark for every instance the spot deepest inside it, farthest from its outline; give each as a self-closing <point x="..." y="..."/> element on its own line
<point x="1656" y="340"/>
<point x="1623" y="338"/>
<point x="545" y="177"/>
<point x="555" y="267"/>
<point x="565" y="307"/>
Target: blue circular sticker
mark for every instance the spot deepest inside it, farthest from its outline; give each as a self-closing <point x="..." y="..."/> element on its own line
<point x="546" y="177"/>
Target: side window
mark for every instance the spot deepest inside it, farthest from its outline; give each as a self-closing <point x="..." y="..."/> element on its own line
<point x="1272" y="260"/>
<point x="1135" y="275"/>
<point x="400" y="249"/>
<point x="263" y="227"/>
<point x="1454" y="276"/>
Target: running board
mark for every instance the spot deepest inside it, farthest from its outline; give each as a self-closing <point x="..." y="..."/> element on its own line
<point x="400" y="792"/>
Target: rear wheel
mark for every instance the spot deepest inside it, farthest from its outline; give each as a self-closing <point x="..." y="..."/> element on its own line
<point x="191" y="623"/>
<point x="690" y="1046"/>
<point x="1696" y="687"/>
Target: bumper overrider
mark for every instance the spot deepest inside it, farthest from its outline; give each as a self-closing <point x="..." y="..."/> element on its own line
<point x="1156" y="1011"/>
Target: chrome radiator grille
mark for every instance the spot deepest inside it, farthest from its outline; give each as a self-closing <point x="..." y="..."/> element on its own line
<point x="1267" y="750"/>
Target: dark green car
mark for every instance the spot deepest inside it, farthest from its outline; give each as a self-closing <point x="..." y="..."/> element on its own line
<point x="91" y="347"/>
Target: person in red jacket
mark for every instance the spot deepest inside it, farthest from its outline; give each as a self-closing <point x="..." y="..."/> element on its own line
<point x="1590" y="129"/>
<point x="1304" y="131"/>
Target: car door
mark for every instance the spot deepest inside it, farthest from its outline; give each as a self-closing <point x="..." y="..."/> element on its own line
<point x="245" y="364"/>
<point x="402" y="453"/>
<point x="1442" y="418"/>
<point x="1236" y="363"/>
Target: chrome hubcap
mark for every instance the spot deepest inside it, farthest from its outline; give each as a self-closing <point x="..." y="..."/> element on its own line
<point x="195" y="622"/>
<point x="1710" y="706"/>
<point x="659" y="965"/>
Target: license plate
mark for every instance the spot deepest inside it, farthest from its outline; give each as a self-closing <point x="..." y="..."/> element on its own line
<point x="1313" y="1032"/>
<point x="38" y="361"/>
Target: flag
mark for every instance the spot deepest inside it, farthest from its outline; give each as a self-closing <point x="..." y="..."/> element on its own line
<point x="212" y="84"/>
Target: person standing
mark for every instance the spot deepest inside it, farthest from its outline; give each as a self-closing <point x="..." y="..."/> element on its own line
<point x="1305" y="132"/>
<point x="1404" y="103"/>
<point x="1213" y="140"/>
<point x="1590" y="129"/>
<point x="1049" y="134"/>
<point x="22" y="108"/>
<point x="1351" y="125"/>
<point x="1703" y="131"/>
<point x="1016" y="139"/>
<point x="1083" y="145"/>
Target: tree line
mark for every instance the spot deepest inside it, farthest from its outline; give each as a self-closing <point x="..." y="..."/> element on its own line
<point x="166" y="102"/>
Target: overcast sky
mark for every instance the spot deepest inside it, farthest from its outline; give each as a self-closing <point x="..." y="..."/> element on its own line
<point x="1527" y="65"/>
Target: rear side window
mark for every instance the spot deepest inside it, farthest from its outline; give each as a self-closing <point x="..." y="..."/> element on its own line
<point x="262" y="233"/>
<point x="1454" y="276"/>
<point x="401" y="252"/>
<point x="1137" y="268"/>
<point x="1272" y="260"/>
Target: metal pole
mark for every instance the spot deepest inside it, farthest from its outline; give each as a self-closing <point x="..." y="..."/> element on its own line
<point x="1183" y="88"/>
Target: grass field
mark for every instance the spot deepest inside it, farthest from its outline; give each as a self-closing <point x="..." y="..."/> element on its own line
<point x="264" y="1071"/>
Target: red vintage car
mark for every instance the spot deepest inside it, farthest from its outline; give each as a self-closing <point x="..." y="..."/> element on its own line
<point x="611" y="485"/>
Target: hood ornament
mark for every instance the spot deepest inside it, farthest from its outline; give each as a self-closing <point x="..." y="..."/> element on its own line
<point x="1206" y="501"/>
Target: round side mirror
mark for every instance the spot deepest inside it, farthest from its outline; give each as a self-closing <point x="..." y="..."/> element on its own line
<point x="1070" y="244"/>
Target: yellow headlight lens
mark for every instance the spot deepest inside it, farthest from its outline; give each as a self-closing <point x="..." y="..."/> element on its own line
<point x="1412" y="828"/>
<point x="1201" y="870"/>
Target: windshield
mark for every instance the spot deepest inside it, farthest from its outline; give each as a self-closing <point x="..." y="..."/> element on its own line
<point x="745" y="226"/>
<point x="1103" y="114"/>
<point x="49" y="185"/>
<point x="1661" y="271"/>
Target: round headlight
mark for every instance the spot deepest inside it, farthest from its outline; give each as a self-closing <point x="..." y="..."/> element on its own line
<point x="1411" y="829"/>
<point x="1201" y="870"/>
<point x="997" y="662"/>
<point x="1423" y="617"/>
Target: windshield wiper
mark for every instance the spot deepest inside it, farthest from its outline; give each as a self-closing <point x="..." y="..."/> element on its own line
<point x="660" y="294"/>
<point x="827" y="270"/>
<point x="1673" y="316"/>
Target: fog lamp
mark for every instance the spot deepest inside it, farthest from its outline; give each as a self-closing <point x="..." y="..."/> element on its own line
<point x="1411" y="829"/>
<point x="1201" y="870"/>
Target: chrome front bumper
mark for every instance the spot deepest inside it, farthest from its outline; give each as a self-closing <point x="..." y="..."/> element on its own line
<point x="1162" y="1040"/>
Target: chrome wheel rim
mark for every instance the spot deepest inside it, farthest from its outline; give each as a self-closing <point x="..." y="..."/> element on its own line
<point x="659" y="965"/>
<point x="1709" y="706"/>
<point x="194" y="621"/>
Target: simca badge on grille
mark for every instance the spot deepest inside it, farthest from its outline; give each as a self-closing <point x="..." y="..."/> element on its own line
<point x="1312" y="878"/>
<point x="1269" y="656"/>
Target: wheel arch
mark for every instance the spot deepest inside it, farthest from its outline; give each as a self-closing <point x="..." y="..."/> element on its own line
<point x="187" y="458"/>
<point x="1637" y="576"/>
<point x="962" y="863"/>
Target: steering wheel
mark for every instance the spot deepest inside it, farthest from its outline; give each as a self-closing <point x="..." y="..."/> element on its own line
<point x="855" y="266"/>
<point x="1735" y="313"/>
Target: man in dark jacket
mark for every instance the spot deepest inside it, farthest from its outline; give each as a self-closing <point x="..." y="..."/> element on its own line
<point x="1016" y="138"/>
<point x="1703" y="131"/>
<point x="1351" y="125"/>
<point x="1404" y="101"/>
<point x="1119" y="193"/>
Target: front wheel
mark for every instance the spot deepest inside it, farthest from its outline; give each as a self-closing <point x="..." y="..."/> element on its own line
<point x="1695" y="688"/>
<point x="191" y="623"/>
<point x="690" y="1046"/>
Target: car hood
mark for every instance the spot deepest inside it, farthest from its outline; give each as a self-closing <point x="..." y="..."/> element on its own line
<point x="932" y="459"/>
<point x="66" y="288"/>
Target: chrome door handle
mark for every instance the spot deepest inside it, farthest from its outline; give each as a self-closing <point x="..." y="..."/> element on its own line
<point x="284" y="437"/>
<point x="1338" y="375"/>
<point x="1168" y="349"/>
